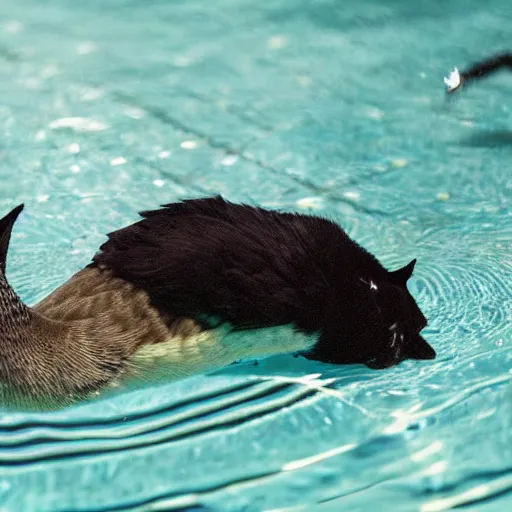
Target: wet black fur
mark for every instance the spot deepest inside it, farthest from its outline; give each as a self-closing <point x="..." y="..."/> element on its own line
<point x="209" y="258"/>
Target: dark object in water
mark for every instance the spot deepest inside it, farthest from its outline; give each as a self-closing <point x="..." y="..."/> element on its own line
<point x="198" y="285"/>
<point x="477" y="71"/>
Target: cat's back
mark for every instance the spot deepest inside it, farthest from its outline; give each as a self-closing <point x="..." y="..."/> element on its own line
<point x="218" y="232"/>
<point x="252" y="266"/>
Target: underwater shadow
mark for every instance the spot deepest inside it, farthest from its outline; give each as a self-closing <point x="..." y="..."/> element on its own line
<point x="488" y="139"/>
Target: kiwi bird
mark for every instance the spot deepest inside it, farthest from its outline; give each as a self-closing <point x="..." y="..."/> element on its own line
<point x="198" y="285"/>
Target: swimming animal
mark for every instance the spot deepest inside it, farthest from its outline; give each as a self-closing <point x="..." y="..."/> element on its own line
<point x="477" y="71"/>
<point x="198" y="285"/>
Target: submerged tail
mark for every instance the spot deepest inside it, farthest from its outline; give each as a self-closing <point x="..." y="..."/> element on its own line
<point x="477" y="71"/>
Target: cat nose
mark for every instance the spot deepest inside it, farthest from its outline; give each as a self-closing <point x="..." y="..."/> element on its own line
<point x="379" y="363"/>
<point x="390" y="356"/>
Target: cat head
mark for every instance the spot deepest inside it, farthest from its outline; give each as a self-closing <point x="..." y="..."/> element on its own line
<point x="400" y="315"/>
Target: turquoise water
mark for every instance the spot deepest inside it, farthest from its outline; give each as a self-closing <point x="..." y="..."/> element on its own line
<point x="332" y="107"/>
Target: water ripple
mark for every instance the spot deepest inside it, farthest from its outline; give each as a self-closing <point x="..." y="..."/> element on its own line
<point x="44" y="443"/>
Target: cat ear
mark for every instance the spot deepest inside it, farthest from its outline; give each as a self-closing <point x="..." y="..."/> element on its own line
<point x="418" y="348"/>
<point x="6" y="225"/>
<point x="402" y="275"/>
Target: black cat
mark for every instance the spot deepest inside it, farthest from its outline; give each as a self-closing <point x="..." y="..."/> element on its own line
<point x="255" y="268"/>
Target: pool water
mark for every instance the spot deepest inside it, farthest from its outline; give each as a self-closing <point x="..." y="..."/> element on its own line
<point x="334" y="108"/>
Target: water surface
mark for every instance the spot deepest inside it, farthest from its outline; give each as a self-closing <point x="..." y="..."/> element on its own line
<point x="335" y="108"/>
